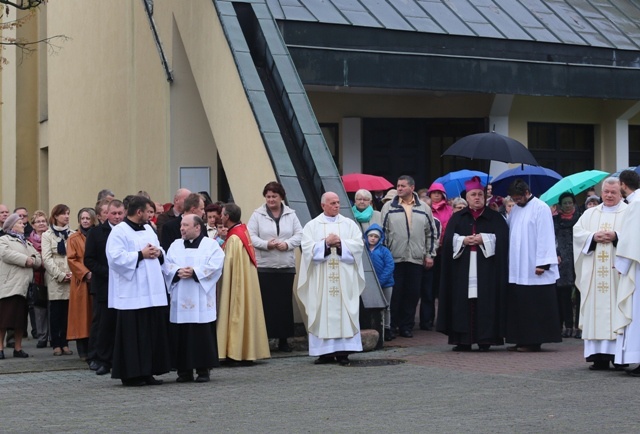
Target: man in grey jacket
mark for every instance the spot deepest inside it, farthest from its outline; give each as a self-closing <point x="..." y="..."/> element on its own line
<point x="411" y="237"/>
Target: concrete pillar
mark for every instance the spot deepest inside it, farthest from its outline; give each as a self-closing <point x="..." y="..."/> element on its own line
<point x="351" y="143"/>
<point x="499" y="119"/>
<point x="621" y="139"/>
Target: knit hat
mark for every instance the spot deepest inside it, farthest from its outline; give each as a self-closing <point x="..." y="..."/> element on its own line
<point x="593" y="198"/>
<point x="390" y="195"/>
<point x="376" y="231"/>
<point x="473" y="184"/>
<point x="10" y="222"/>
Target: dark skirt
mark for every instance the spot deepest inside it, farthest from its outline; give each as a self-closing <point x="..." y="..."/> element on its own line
<point x="195" y="346"/>
<point x="276" y="290"/>
<point x="13" y="313"/>
<point x="141" y="346"/>
<point x="532" y="314"/>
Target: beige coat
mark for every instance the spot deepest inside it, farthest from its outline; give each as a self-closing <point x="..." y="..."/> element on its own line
<point x="14" y="275"/>
<point x="56" y="267"/>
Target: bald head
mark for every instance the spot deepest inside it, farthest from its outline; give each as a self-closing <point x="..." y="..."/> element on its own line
<point x="178" y="200"/>
<point x="330" y="203"/>
<point x="4" y="213"/>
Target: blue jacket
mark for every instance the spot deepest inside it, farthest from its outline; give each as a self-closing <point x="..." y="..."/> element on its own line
<point x="380" y="258"/>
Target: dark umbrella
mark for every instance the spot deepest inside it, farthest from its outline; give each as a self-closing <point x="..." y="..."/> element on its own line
<point x="491" y="146"/>
<point x="540" y="179"/>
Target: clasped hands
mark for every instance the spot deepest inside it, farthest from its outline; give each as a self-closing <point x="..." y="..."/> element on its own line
<point x="151" y="252"/>
<point x="277" y="244"/>
<point x="473" y="240"/>
<point x="604" y="237"/>
<point x="185" y="273"/>
<point x="332" y="240"/>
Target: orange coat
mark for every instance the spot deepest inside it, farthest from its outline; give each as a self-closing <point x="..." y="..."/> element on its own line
<point x="80" y="310"/>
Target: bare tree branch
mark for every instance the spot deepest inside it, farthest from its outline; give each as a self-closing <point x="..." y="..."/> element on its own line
<point x="23" y="5"/>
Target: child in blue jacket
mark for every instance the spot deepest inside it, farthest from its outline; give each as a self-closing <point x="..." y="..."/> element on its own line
<point x="383" y="265"/>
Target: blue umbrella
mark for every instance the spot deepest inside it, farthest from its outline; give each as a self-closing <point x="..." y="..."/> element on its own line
<point x="454" y="182"/>
<point x="540" y="179"/>
<point x="635" y="169"/>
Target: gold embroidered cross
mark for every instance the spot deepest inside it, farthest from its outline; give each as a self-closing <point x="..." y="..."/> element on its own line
<point x="333" y="263"/>
<point x="603" y="256"/>
<point x="334" y="291"/>
<point x="603" y="287"/>
<point x="606" y="227"/>
<point x="334" y="277"/>
<point x="603" y="271"/>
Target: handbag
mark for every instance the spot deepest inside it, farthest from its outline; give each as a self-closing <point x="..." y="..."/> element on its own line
<point x="37" y="295"/>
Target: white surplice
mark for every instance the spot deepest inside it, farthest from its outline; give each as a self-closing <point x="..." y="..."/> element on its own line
<point x="628" y="264"/>
<point x="596" y="277"/>
<point x="532" y="242"/>
<point x="193" y="301"/>
<point x="133" y="284"/>
<point x="329" y="287"/>
<point x="488" y="249"/>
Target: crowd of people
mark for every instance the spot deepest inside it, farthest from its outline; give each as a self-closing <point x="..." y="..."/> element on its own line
<point x="145" y="287"/>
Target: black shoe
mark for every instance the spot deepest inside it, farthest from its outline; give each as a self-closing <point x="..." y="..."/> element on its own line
<point x="483" y="348"/>
<point x="93" y="365"/>
<point x="619" y="367"/>
<point x="203" y="378"/>
<point x="185" y="378"/>
<point x="600" y="365"/>
<point x="343" y="360"/>
<point x="406" y="333"/>
<point x="461" y="348"/>
<point x="102" y="370"/>
<point x="634" y="372"/>
<point x="323" y="360"/>
<point x="41" y="344"/>
<point x="152" y="381"/>
<point x="133" y="382"/>
<point x="389" y="335"/>
<point x="1" y="354"/>
<point x="20" y="354"/>
<point x="283" y="346"/>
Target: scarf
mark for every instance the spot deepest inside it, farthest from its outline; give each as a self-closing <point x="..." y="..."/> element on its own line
<point x="18" y="236"/>
<point x="63" y="234"/>
<point x="363" y="216"/>
<point x="84" y="231"/>
<point x="36" y="240"/>
<point x="567" y="216"/>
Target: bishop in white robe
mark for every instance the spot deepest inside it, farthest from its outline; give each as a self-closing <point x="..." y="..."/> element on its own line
<point x="330" y="282"/>
<point x="595" y="237"/>
<point x="192" y="267"/>
<point x="628" y="264"/>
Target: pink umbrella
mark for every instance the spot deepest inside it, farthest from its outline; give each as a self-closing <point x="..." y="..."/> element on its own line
<point x="355" y="181"/>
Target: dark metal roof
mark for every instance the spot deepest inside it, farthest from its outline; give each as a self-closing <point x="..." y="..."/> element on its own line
<point x="595" y="23"/>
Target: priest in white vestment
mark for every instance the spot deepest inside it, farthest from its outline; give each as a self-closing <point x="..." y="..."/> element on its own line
<point x="191" y="269"/>
<point x="532" y="306"/>
<point x="330" y="282"/>
<point x="628" y="264"/>
<point x="137" y="292"/>
<point x="595" y="237"/>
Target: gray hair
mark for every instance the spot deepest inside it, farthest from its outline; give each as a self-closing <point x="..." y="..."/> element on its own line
<point x="611" y="180"/>
<point x="457" y="201"/>
<point x="363" y="193"/>
<point x="104" y="193"/>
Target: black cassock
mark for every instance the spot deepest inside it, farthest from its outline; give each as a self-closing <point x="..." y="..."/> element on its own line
<point x="480" y="320"/>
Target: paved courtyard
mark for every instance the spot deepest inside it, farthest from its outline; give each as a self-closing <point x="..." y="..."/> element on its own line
<point x="430" y="390"/>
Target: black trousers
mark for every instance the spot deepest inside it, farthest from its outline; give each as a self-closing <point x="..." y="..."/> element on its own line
<point x="102" y="335"/>
<point x="565" y="306"/>
<point x="58" y="315"/>
<point x="406" y="293"/>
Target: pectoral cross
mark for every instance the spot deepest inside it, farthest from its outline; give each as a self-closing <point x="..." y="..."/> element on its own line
<point x="603" y="287"/>
<point x="606" y="226"/>
<point x="603" y="256"/>
<point x="334" y="263"/>
<point x="603" y="271"/>
<point x="334" y="291"/>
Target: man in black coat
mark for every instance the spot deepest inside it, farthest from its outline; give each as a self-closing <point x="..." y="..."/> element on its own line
<point x="193" y="204"/>
<point x="475" y="271"/>
<point x="103" y="325"/>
